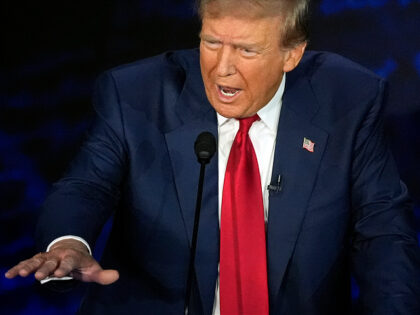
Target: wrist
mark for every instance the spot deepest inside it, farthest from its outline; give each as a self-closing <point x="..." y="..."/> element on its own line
<point x="71" y="238"/>
<point x="70" y="244"/>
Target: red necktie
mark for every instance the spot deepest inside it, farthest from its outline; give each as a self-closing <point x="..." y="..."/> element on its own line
<point x="243" y="263"/>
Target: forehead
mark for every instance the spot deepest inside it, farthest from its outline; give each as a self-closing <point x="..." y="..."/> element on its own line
<point x="242" y="29"/>
<point x="249" y="8"/>
<point x="229" y="27"/>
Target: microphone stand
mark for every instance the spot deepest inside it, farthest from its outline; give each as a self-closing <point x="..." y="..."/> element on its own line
<point x="194" y="236"/>
<point x="204" y="147"/>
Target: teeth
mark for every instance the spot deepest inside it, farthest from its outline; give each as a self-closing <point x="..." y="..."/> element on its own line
<point x="230" y="92"/>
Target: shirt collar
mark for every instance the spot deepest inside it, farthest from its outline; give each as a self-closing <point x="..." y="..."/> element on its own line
<point x="269" y="113"/>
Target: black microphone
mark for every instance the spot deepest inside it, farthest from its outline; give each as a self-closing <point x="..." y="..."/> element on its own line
<point x="276" y="187"/>
<point x="204" y="147"/>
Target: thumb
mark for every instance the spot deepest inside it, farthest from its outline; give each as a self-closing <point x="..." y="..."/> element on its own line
<point x="105" y="277"/>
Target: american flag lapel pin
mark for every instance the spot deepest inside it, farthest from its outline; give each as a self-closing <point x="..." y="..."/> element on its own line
<point x="308" y="145"/>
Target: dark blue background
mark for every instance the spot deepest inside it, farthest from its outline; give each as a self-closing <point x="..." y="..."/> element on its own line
<point x="53" y="50"/>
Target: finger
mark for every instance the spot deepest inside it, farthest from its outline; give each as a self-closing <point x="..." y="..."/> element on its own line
<point x="47" y="268"/>
<point x="67" y="264"/>
<point x="24" y="268"/>
<point x="105" y="277"/>
<point x="30" y="266"/>
<point x="13" y="272"/>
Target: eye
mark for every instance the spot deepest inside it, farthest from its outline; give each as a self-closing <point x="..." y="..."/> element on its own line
<point x="246" y="52"/>
<point x="212" y="44"/>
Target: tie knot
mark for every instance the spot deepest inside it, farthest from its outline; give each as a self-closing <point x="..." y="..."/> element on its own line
<point x="246" y="123"/>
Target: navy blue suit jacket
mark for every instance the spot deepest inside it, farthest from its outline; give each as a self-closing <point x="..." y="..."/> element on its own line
<point x="342" y="208"/>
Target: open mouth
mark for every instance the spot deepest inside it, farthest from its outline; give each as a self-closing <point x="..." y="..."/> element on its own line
<point x="228" y="91"/>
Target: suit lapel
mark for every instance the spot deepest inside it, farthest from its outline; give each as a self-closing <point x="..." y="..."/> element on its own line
<point x="298" y="168"/>
<point x="197" y="116"/>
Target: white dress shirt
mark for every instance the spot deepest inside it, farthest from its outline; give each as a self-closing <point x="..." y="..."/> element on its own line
<point x="263" y="136"/>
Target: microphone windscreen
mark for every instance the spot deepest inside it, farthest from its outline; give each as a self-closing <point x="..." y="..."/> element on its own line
<point x="205" y="146"/>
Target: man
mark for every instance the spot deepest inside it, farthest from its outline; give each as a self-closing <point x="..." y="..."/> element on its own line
<point x="335" y="202"/>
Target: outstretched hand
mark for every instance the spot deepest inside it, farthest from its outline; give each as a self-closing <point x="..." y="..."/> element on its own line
<point x="65" y="258"/>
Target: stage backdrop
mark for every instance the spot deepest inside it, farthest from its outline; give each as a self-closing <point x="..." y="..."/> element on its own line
<point x="53" y="50"/>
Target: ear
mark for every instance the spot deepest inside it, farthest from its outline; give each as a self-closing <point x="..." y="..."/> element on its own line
<point x="293" y="57"/>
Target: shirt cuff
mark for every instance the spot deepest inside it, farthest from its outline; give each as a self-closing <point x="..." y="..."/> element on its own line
<point x="66" y="237"/>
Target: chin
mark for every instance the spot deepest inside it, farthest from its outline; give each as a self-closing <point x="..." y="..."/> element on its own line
<point x="226" y="112"/>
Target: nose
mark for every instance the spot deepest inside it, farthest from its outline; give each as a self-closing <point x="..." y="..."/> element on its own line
<point x="226" y="61"/>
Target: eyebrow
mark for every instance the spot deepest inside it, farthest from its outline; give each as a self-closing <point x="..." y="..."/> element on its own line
<point x="243" y="45"/>
<point x="208" y="37"/>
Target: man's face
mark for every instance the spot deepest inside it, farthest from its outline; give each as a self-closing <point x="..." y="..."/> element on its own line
<point x="242" y="62"/>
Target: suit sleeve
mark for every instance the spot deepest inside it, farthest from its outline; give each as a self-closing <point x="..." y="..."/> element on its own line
<point x="385" y="252"/>
<point x="82" y="201"/>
